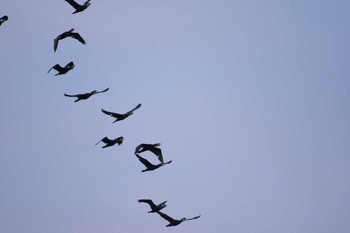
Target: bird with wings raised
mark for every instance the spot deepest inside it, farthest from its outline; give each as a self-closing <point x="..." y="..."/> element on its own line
<point x="111" y="142"/>
<point x="154" y="207"/>
<point x="62" y="70"/>
<point x="152" y="148"/>
<point x="85" y="95"/>
<point x="149" y="166"/>
<point x="118" y="116"/>
<point x="78" y="8"/>
<point x="175" y="222"/>
<point x="66" y="34"/>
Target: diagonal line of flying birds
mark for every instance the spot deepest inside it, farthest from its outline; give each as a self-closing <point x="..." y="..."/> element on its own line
<point x="143" y="147"/>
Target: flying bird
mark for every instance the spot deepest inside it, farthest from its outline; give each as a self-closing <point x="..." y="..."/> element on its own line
<point x="152" y="148"/>
<point x="86" y="95"/>
<point x="66" y="34"/>
<point x="3" y="19"/>
<point x="154" y="207"/>
<point x="110" y="142"/>
<point x="174" y="222"/>
<point x="62" y="70"/>
<point x="118" y="116"/>
<point x="149" y="166"/>
<point x="78" y="8"/>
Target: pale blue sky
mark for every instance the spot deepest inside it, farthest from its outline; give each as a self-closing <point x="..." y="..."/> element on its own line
<point x="250" y="99"/>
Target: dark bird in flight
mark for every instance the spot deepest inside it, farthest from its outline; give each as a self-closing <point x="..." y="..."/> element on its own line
<point x="174" y="222"/>
<point x="66" y="34"/>
<point x="150" y="147"/>
<point x="86" y="95"/>
<point x="78" y="8"/>
<point x="110" y="142"/>
<point x="154" y="207"/>
<point x="118" y="116"/>
<point x="149" y="166"/>
<point x="3" y="19"/>
<point x="62" y="70"/>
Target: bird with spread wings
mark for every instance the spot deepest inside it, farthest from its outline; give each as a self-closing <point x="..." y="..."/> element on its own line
<point x="66" y="34"/>
<point x="62" y="70"/>
<point x="78" y="8"/>
<point x="85" y="95"/>
<point x="118" y="116"/>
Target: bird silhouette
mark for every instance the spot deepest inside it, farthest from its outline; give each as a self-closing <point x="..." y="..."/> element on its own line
<point x="150" y="147"/>
<point x="110" y="142"/>
<point x="118" y="116"/>
<point x="149" y="166"/>
<point x="3" y="19"/>
<point x="78" y="8"/>
<point x="175" y="222"/>
<point x="62" y="70"/>
<point x="86" y="95"/>
<point x="154" y="207"/>
<point x="66" y="34"/>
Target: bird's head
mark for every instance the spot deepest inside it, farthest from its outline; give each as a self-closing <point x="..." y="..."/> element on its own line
<point x="183" y="219"/>
<point x="120" y="141"/>
<point x="71" y="30"/>
<point x="87" y="3"/>
<point x="94" y="92"/>
<point x="71" y="65"/>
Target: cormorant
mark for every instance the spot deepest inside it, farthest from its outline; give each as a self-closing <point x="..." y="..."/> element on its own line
<point x="154" y="207"/>
<point x="174" y="222"/>
<point x="149" y="166"/>
<point x="86" y="95"/>
<point x="118" y="116"/>
<point x="110" y="142"/>
<point x="150" y="147"/>
<point x="3" y="19"/>
<point x="62" y="70"/>
<point x="78" y="8"/>
<point x="66" y="34"/>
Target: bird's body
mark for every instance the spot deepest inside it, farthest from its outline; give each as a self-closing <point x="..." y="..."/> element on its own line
<point x="118" y="116"/>
<point x="62" y="70"/>
<point x="111" y="142"/>
<point x="154" y="207"/>
<point x="3" y="19"/>
<point x="152" y="148"/>
<point x="78" y="8"/>
<point x="149" y="166"/>
<point x="86" y="95"/>
<point x="174" y="222"/>
<point x="66" y="34"/>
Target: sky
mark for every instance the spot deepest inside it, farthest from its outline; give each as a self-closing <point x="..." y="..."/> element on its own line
<point x="249" y="99"/>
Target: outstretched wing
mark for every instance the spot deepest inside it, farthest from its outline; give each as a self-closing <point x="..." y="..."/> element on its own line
<point x="73" y="3"/>
<point x="105" y="140"/>
<point x="158" y="153"/>
<point x="149" y="202"/>
<point x="144" y="161"/>
<point x="103" y="90"/>
<point x="56" y="67"/>
<point x="137" y="107"/>
<point x="77" y="37"/>
<point x="166" y="217"/>
<point x="113" y="114"/>
<point x="72" y="95"/>
<point x="55" y="44"/>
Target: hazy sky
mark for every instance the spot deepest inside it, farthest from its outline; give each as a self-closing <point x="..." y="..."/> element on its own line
<point x="250" y="99"/>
